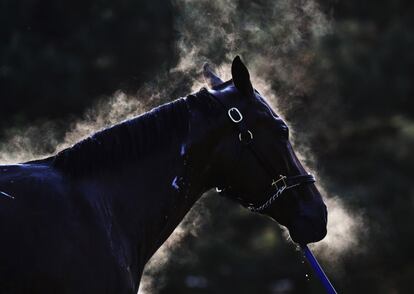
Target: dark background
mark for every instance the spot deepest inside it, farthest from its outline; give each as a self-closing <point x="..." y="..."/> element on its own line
<point x="57" y="58"/>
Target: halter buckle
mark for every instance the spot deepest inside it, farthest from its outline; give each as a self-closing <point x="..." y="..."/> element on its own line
<point x="276" y="183"/>
<point x="249" y="139"/>
<point x="236" y="119"/>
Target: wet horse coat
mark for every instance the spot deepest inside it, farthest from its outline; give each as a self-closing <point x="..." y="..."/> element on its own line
<point x="88" y="219"/>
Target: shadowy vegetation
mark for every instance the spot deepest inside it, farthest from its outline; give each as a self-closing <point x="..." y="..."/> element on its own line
<point x="59" y="56"/>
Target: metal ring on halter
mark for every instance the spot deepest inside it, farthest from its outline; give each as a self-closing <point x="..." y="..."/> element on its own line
<point x="233" y="119"/>
<point x="250" y="134"/>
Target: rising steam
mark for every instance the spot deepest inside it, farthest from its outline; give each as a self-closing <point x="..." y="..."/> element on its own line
<point x="36" y="141"/>
<point x="276" y="39"/>
<point x="343" y="228"/>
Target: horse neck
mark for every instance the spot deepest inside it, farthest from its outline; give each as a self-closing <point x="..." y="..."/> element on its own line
<point x="148" y="200"/>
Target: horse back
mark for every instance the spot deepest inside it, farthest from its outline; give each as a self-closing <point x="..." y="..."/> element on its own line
<point x="31" y="192"/>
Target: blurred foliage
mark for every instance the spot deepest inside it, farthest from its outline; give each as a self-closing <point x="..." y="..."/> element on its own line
<point x="365" y="70"/>
<point x="57" y="57"/>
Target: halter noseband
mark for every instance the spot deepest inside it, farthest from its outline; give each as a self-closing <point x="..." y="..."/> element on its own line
<point x="278" y="185"/>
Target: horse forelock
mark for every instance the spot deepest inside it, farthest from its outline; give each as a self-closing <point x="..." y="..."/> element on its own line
<point x="127" y="142"/>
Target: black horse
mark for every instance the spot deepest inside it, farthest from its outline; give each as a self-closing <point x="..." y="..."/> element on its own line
<point x="88" y="219"/>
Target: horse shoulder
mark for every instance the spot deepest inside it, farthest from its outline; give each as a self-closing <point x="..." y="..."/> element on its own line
<point x="50" y="233"/>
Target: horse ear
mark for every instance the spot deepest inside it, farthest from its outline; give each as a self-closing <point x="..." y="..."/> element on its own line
<point x="241" y="77"/>
<point x="210" y="77"/>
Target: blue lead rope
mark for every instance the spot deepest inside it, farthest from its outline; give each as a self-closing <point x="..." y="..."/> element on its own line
<point x="318" y="270"/>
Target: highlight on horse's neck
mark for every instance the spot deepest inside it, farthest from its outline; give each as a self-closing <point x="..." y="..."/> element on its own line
<point x="128" y="142"/>
<point x="192" y="179"/>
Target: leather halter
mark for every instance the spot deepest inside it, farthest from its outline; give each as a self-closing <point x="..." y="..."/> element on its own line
<point x="279" y="184"/>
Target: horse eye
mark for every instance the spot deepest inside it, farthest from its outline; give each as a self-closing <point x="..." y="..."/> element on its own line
<point x="285" y="132"/>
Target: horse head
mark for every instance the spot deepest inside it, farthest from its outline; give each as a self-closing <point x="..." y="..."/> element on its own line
<point x="257" y="164"/>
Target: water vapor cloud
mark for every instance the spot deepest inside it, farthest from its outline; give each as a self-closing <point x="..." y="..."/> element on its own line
<point x="277" y="40"/>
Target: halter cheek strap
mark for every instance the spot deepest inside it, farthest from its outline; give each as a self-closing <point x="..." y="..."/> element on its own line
<point x="279" y="184"/>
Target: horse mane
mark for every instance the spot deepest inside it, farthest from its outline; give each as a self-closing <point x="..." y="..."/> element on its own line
<point x="126" y="142"/>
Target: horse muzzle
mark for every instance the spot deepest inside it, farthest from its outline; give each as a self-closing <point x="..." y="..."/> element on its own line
<point x="305" y="229"/>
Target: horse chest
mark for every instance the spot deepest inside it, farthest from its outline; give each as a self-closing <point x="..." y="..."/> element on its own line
<point x="51" y="243"/>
